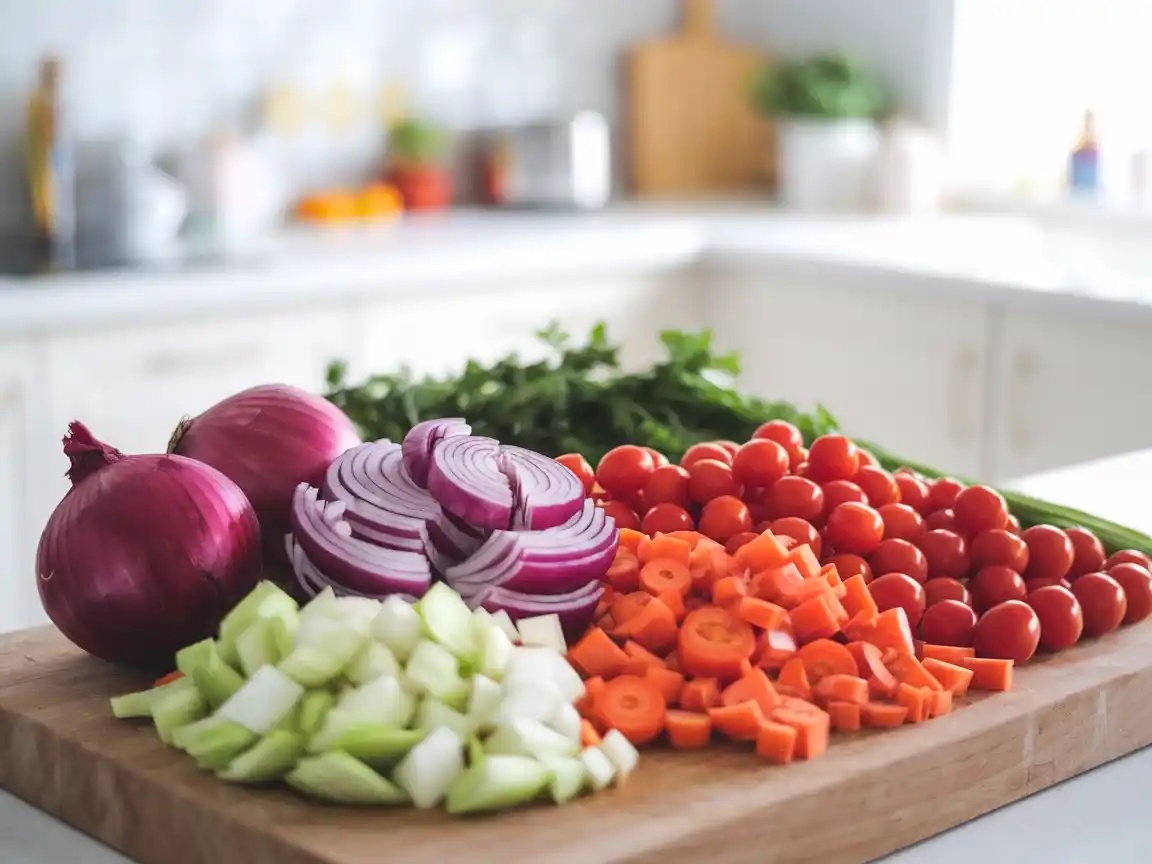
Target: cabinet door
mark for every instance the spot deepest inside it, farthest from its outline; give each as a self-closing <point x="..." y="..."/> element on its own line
<point x="1070" y="386"/>
<point x="903" y="369"/>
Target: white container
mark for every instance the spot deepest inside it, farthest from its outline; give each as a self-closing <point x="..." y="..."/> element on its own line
<point x="825" y="165"/>
<point x="910" y="169"/>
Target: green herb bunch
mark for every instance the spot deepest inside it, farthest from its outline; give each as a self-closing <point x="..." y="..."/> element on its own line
<point x="826" y="86"/>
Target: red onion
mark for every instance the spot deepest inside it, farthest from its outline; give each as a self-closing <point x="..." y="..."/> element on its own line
<point x="574" y="609"/>
<point x="422" y="439"/>
<point x="312" y="581"/>
<point x="145" y="554"/>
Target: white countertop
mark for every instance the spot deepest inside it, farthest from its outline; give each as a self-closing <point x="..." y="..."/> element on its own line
<point x="1100" y="815"/>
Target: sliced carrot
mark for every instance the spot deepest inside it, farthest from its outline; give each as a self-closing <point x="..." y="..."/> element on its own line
<point x="831" y="575"/>
<point x="870" y="666"/>
<point x="813" y="620"/>
<point x="739" y="722"/>
<point x="778" y="582"/>
<point x="825" y="657"/>
<point x="640" y="658"/>
<point x="654" y="627"/>
<point x="585" y="706"/>
<point x="710" y="557"/>
<point x="760" y="613"/>
<point x="812" y="727"/>
<point x="626" y="606"/>
<point x="754" y="687"/>
<point x="630" y="539"/>
<point x="989" y="674"/>
<point x="688" y="730"/>
<point x="806" y="561"/>
<point x="674" y="600"/>
<point x="713" y="642"/>
<point x="793" y="679"/>
<point x="881" y="715"/>
<point x="692" y="538"/>
<point x="912" y="698"/>
<point x="596" y="654"/>
<point x="946" y="653"/>
<point x="634" y="706"/>
<point x="624" y="572"/>
<point x="174" y="675"/>
<point x="669" y="682"/>
<point x="672" y="661"/>
<point x="763" y="553"/>
<point x="889" y="632"/>
<point x="663" y="546"/>
<point x="939" y="702"/>
<point x="589" y="737"/>
<point x="841" y="688"/>
<point x="857" y="598"/>
<point x="955" y="679"/>
<point x="907" y="670"/>
<point x="803" y="591"/>
<point x="776" y="742"/>
<point x="860" y="625"/>
<point x="663" y="574"/>
<point x="774" y="648"/>
<point x="728" y="591"/>
<point x="606" y="623"/>
<point x="700" y="694"/>
<point x="845" y="715"/>
<point x="836" y="608"/>
<point x="602" y="607"/>
<point x="746" y="668"/>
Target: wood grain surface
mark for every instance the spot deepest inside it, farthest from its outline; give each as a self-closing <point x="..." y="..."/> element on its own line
<point x="61" y="750"/>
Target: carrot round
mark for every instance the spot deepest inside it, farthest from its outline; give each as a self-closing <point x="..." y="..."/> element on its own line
<point x="688" y="730"/>
<point x="845" y="715"/>
<point x="654" y="627"/>
<point x="630" y="539"/>
<point x="870" y="666"/>
<point x="663" y="546"/>
<point x="700" y="694"/>
<point x="881" y="715"/>
<point x="629" y="605"/>
<point x="663" y="574"/>
<point x="634" y="706"/>
<point x="824" y="657"/>
<point x="713" y="642"/>
<point x="624" y="572"/>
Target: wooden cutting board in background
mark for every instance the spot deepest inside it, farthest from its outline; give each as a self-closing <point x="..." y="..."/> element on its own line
<point x="872" y="793"/>
<point x="692" y="129"/>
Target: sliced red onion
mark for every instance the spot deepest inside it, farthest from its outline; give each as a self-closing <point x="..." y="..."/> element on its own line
<point x="312" y="581"/>
<point x="422" y="439"/>
<point x="575" y="609"/>
<point x="546" y="493"/>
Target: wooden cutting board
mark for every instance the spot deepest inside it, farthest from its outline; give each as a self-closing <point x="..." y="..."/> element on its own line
<point x="61" y="750"/>
<point x="692" y="129"/>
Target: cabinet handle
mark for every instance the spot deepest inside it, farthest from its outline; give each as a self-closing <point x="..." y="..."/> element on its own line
<point x="170" y="363"/>
<point x="965" y="367"/>
<point x="1020" y="377"/>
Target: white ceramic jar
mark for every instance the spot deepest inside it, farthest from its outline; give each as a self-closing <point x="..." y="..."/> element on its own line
<point x="825" y="165"/>
<point x="909" y="169"/>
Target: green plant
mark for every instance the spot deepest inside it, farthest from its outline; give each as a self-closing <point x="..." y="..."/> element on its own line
<point x="415" y="143"/>
<point x="832" y="86"/>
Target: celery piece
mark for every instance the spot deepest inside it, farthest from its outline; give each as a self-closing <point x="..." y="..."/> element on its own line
<point x="621" y="753"/>
<point x="376" y="743"/>
<point x="314" y="664"/>
<point x="475" y="750"/>
<point x="263" y="701"/>
<point x="373" y="661"/>
<point x="536" y="701"/>
<point x="342" y="779"/>
<point x="543" y="631"/>
<point x="566" y="721"/>
<point x="448" y="620"/>
<point x="535" y="665"/>
<point x="214" y="742"/>
<point x="256" y="647"/>
<point x="264" y="601"/>
<point x="139" y="704"/>
<point x="600" y="768"/>
<point x="382" y="701"/>
<point x="432" y="714"/>
<point x="202" y="662"/>
<point x="484" y="702"/>
<point x="269" y="759"/>
<point x="529" y="738"/>
<point x="177" y="709"/>
<point x="314" y="708"/>
<point x="497" y="783"/>
<point x="568" y="777"/>
<point x="431" y="767"/>
<point x="495" y="652"/>
<point x="399" y="626"/>
<point x="433" y="670"/>
<point x="283" y="629"/>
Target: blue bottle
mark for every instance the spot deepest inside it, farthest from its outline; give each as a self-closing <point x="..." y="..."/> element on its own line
<point x="1084" y="163"/>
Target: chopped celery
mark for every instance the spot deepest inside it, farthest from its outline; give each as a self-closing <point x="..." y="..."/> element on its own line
<point x="543" y="631"/>
<point x="496" y="783"/>
<point x="475" y="748"/>
<point x="599" y="767"/>
<point x="567" y="779"/>
<point x="319" y="631"/>
<point x="434" y="670"/>
<point x="531" y="701"/>
<point x="214" y="742"/>
<point x="283" y="630"/>
<point x="620" y="752"/>
<point x="399" y="626"/>
<point x="529" y="738"/>
<point x="202" y="662"/>
<point x="431" y="767"/>
<point x="357" y="611"/>
<point x="177" y="709"/>
<point x="316" y="664"/>
<point x="314" y="708"/>
<point x="566" y="721"/>
<point x="432" y="714"/>
<point x="543" y="665"/>
<point x="323" y="605"/>
<point x="495" y="651"/>
<point x="484" y="702"/>
<point x="448" y="620"/>
<point x="504" y="621"/>
<point x="382" y="701"/>
<point x="270" y="759"/>
<point x="374" y="660"/>
<point x="140" y="704"/>
<point x="264" y="601"/>
<point x="375" y="744"/>
<point x="256" y="647"/>
<point x="263" y="700"/>
<point x="342" y="779"/>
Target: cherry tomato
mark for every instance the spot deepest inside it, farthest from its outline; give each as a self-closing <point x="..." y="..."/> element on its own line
<point x="665" y="518"/>
<point x="1008" y="631"/>
<point x="761" y="526"/>
<point x="1044" y="581"/>
<point x="1103" y="602"/>
<point x="598" y="493"/>
<point x="1087" y="552"/>
<point x="833" y="457"/>
<point x="997" y="546"/>
<point x="711" y="478"/>
<point x="837" y="492"/>
<point x="878" y="485"/>
<point x="944" y="588"/>
<point x="979" y="508"/>
<point x="802" y="470"/>
<point x="636" y="501"/>
<point x="948" y="622"/>
<point x="799" y="530"/>
<point x="1013" y="526"/>
<point x="1050" y="552"/>
<point x="942" y="520"/>
<point x="1137" y="584"/>
<point x="760" y="462"/>
<point x="731" y="446"/>
<point x="994" y="585"/>
<point x="1061" y="621"/>
<point x="782" y="432"/>
<point x="668" y="484"/>
<point x="855" y="527"/>
<point x="724" y="517"/>
<point x="705" y="451"/>
<point x="897" y="589"/>
<point x="798" y="461"/>
<point x="849" y="565"/>
<point x="624" y="515"/>
<point x="660" y="458"/>
<point x="866" y="458"/>
<point x="579" y="466"/>
<point x="895" y="555"/>
<point x="913" y="491"/>
<point x="947" y="553"/>
<point x="1128" y="556"/>
<point x="901" y="521"/>
<point x="942" y="493"/>
<point x="625" y="469"/>
<point x="734" y="542"/>
<point x="796" y="496"/>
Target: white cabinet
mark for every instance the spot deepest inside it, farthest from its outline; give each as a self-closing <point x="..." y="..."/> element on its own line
<point x="1068" y="385"/>
<point x="894" y="366"/>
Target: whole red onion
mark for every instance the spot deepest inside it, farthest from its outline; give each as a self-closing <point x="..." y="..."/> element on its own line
<point x="145" y="554"/>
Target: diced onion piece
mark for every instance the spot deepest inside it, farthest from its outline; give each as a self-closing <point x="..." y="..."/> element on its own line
<point x="433" y="670"/>
<point x="374" y="661"/>
<point x="601" y="770"/>
<point x="263" y="701"/>
<point x="448" y="620"/>
<point x="496" y="783"/>
<point x="568" y="777"/>
<point x="382" y="701"/>
<point x="575" y="609"/>
<point x="432" y="714"/>
<point x="535" y="666"/>
<point x="484" y="702"/>
<point x="502" y="620"/>
<point x="543" y="631"/>
<point x="431" y="767"/>
<point x="316" y="662"/>
<point x="495" y="652"/>
<point x="524" y="737"/>
<point x="537" y="700"/>
<point x="398" y="626"/>
<point x="621" y="752"/>
<point x="566" y="721"/>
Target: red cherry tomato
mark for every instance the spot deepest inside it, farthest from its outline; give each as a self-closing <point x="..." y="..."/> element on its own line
<point x="801" y="470"/>
<point x="1050" y="552"/>
<point x="896" y="589"/>
<point x="942" y="520"/>
<point x="878" y="485"/>
<point x="1087" y="552"/>
<point x="705" y="451"/>
<point x="1128" y="556"/>
<point x="783" y="433"/>
<point x="979" y="508"/>
<point x="724" y="517"/>
<point x="665" y="518"/>
<point x="711" y="478"/>
<point x="796" y="496"/>
<point x="731" y="446"/>
<point x="833" y="457"/>
<point x="799" y="530"/>
<point x="913" y="491"/>
<point x="947" y="554"/>
<point x="899" y="556"/>
<point x="797" y="460"/>
<point x="901" y="522"/>
<point x="636" y="501"/>
<point x="624" y="515"/>
<point x="837" y="492"/>
<point x="994" y="585"/>
<point x="849" y="565"/>
<point x="1061" y="621"/>
<point x="625" y="469"/>
<point x="668" y="484"/>
<point x="760" y="462"/>
<point x="1008" y="631"/>
<point x="944" y="588"/>
<point x="942" y="493"/>
<point x="948" y="622"/>
<point x="855" y="527"/>
<point x="1013" y="526"/>
<point x="1044" y="581"/>
<point x="866" y="458"/>
<point x="998" y="547"/>
<point x="1137" y="584"/>
<point x="1102" y="601"/>
<point x="659" y="457"/>
<point x="737" y="540"/>
<point x="579" y="466"/>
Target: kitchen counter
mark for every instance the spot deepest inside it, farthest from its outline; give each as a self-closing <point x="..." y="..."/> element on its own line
<point x="1099" y="815"/>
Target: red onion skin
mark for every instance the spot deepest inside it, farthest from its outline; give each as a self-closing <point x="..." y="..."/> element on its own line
<point x="145" y="554"/>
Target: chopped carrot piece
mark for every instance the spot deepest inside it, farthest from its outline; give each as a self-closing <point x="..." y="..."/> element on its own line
<point x="692" y="538"/>
<point x="728" y="591"/>
<point x="907" y="670"/>
<point x="669" y="682"/>
<point x="776" y="742"/>
<point x="712" y="559"/>
<point x="857" y="598"/>
<point x="700" y="694"/>
<point x="624" y="572"/>
<point x="860" y="625"/>
<point x="174" y="675"/>
<point x="881" y="715"/>
<point x="760" y="613"/>
<point x="912" y="698"/>
<point x="939" y="702"/>
<point x="946" y="653"/>
<point x="870" y="666"/>
<point x="606" y="623"/>
<point x="630" y="539"/>
<point x="825" y="657"/>
<point x="812" y="727"/>
<point x="602" y="607"/>
<point x="989" y="674"/>
<point x="688" y="730"/>
<point x="955" y="679"/>
<point x="672" y="661"/>
<point x="763" y="553"/>
<point x="626" y="606"/>
<point x="813" y="620"/>
<point x="754" y="687"/>
<point x="804" y="591"/>
<point x="793" y="679"/>
<point x="589" y="737"/>
<point x="654" y="627"/>
<point x="845" y="715"/>
<point x="634" y="706"/>
<point x="841" y="688"/>
<point x="713" y="642"/>
<point x="778" y="582"/>
<point x="806" y="561"/>
<point x="640" y="658"/>
<point x="664" y="546"/>
<point x="831" y="575"/>
<point x="739" y="722"/>
<point x="674" y="600"/>
<point x="836" y="608"/>
<point x="586" y="703"/>
<point x="597" y="655"/>
<point x="890" y="632"/>
<point x="664" y="574"/>
<point x="774" y="647"/>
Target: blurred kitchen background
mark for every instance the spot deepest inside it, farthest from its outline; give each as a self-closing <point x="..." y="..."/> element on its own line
<point x="932" y="216"/>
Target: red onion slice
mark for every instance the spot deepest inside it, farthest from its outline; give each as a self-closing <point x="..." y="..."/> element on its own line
<point x="575" y="609"/>
<point x="546" y="493"/>
<point x="422" y="439"/>
<point x="312" y="581"/>
<point x="588" y="529"/>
